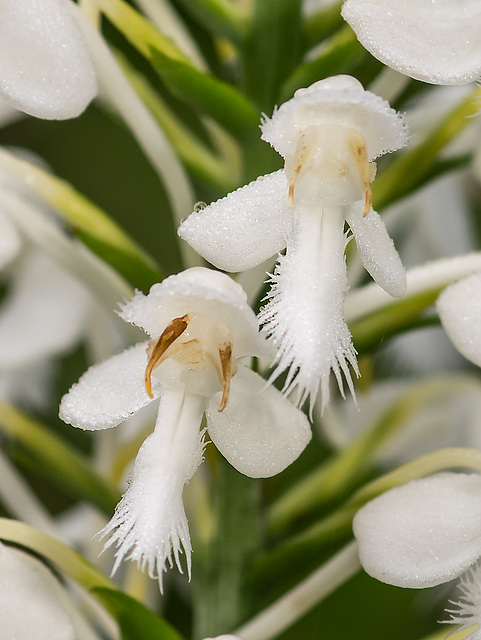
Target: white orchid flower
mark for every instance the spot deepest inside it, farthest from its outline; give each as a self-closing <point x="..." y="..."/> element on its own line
<point x="328" y="134"/>
<point x="45" y="67"/>
<point x="200" y="324"/>
<point x="423" y="533"/>
<point x="436" y="42"/>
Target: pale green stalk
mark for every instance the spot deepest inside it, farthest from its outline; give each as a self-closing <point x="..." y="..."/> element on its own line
<point x="389" y="84"/>
<point x="167" y="21"/>
<point x="295" y="603"/>
<point x="20" y="501"/>
<point x="425" y="279"/>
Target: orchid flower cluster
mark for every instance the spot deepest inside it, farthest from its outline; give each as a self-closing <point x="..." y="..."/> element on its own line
<point x="291" y="365"/>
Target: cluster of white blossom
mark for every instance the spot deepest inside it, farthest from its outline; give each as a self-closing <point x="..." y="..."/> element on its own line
<point x="194" y="367"/>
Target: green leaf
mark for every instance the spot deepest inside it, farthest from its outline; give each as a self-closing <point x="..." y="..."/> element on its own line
<point x="225" y="104"/>
<point x="219" y="17"/>
<point x="340" y="54"/>
<point x="222" y="102"/>
<point x="321" y="24"/>
<point x="199" y="159"/>
<point x="88" y="221"/>
<point x="58" y="461"/>
<point x="136" y="622"/>
<point x="219" y="573"/>
<point x="271" y="49"/>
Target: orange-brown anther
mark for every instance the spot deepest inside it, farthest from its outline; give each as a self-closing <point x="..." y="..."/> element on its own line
<point x="359" y="151"/>
<point x="157" y="348"/>
<point x="226" y="360"/>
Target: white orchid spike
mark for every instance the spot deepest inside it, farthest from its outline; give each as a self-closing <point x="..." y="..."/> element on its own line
<point x="437" y="42"/>
<point x="45" y="66"/>
<point x="200" y="324"/>
<point x="423" y="533"/>
<point x="329" y="134"/>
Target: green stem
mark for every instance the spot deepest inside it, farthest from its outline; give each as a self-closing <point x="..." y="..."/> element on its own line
<point x="299" y="600"/>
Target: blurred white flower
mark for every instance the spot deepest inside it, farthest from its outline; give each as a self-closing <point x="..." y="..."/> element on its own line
<point x="423" y="533"/>
<point x="200" y="324"/>
<point x="459" y="308"/>
<point x="437" y="42"/>
<point x="32" y="603"/>
<point x="45" y="67"/>
<point x="328" y="134"/>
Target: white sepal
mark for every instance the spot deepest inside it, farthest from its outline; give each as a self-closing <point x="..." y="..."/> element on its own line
<point x="304" y="314"/>
<point x="31" y="603"/>
<point x="376" y="250"/>
<point x="459" y="308"/>
<point x="436" y="42"/>
<point x="259" y="432"/>
<point x="45" y="66"/>
<point x="109" y="392"/>
<point x="149" y="524"/>
<point x="198" y="290"/>
<point x="337" y="100"/>
<point x="423" y="533"/>
<point x="245" y="228"/>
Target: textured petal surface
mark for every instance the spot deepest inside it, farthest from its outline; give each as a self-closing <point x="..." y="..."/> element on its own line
<point x="149" y="524"/>
<point x="45" y="67"/>
<point x="459" y="307"/>
<point x="259" y="432"/>
<point x="244" y="228"/>
<point x="109" y="392"/>
<point x="338" y="100"/>
<point x="438" y="42"/>
<point x="29" y="606"/>
<point x="423" y="533"/>
<point x="377" y="251"/>
<point x="305" y="313"/>
<point x="44" y="313"/>
<point x="198" y="290"/>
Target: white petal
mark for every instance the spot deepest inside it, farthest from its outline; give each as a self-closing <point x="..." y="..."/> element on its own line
<point x="10" y="241"/>
<point x="305" y="312"/>
<point x="459" y="308"/>
<point x="259" y="432"/>
<point x="198" y="290"/>
<point x="436" y="42"/>
<point x="44" y="313"/>
<point x="30" y="606"/>
<point x="245" y="228"/>
<point x="45" y="67"/>
<point x="376" y="250"/>
<point x="423" y="533"/>
<point x="109" y="392"/>
<point x="149" y="524"/>
<point x="339" y="100"/>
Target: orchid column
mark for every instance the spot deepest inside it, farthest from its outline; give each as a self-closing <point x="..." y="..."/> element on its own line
<point x="329" y="134"/>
